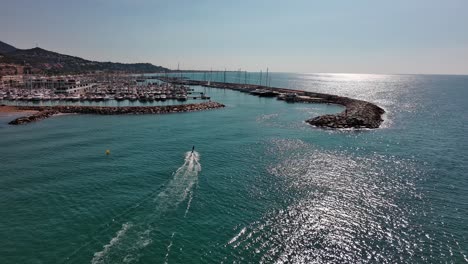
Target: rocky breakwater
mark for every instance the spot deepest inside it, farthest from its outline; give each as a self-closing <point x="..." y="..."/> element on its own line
<point x="48" y="111"/>
<point x="358" y="114"/>
<point x="34" y="117"/>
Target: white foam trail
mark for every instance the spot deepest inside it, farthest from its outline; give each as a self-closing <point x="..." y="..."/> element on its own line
<point x="175" y="192"/>
<point x="100" y="257"/>
<point x="182" y="183"/>
<point x="188" y="204"/>
<point x="166" y="258"/>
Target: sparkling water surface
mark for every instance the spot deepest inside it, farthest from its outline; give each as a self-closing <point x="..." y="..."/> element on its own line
<point x="261" y="187"/>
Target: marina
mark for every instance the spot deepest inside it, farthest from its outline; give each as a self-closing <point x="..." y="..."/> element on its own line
<point x="93" y="88"/>
<point x="132" y="90"/>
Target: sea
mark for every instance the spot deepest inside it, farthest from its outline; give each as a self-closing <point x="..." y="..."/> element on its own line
<point x="262" y="186"/>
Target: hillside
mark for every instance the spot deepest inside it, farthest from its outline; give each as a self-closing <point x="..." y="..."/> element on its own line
<point x="50" y="62"/>
<point x="6" y="48"/>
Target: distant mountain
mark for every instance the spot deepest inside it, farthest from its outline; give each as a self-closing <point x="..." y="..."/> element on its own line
<point x="6" y="48"/>
<point x="50" y="62"/>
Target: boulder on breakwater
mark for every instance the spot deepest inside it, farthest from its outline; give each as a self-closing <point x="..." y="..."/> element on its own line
<point x="48" y="111"/>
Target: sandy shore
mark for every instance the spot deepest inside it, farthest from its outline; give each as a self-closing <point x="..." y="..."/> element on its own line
<point x="9" y="110"/>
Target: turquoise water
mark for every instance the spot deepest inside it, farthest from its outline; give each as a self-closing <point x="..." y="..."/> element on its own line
<point x="262" y="186"/>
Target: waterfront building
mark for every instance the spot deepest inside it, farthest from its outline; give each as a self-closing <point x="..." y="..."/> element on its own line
<point x="12" y="80"/>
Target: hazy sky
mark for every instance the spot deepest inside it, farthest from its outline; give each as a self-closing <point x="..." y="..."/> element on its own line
<point x="358" y="36"/>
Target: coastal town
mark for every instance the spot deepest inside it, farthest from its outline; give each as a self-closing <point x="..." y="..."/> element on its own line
<point x="38" y="79"/>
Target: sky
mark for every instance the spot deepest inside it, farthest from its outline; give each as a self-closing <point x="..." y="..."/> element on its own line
<point x="335" y="36"/>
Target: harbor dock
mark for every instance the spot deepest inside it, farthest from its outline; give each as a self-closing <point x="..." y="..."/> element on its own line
<point x="94" y="88"/>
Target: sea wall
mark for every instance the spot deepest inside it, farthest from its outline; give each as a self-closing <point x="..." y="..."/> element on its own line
<point x="357" y="113"/>
<point x="48" y="111"/>
<point x="34" y="117"/>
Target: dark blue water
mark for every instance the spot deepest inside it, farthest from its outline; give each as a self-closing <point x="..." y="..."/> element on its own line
<point x="262" y="186"/>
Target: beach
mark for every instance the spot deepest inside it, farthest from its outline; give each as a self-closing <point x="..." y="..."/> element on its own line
<point x="6" y="110"/>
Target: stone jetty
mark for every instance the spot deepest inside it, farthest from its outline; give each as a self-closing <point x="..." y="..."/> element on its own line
<point x="48" y="111"/>
<point x="357" y="113"/>
<point x="34" y="117"/>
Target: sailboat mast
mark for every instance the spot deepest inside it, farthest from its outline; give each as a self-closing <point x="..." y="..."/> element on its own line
<point x="178" y="69"/>
<point x="260" y="77"/>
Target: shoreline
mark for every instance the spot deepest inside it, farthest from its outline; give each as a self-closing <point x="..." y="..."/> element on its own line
<point x="43" y="112"/>
<point x="6" y="110"/>
<point x="357" y="113"/>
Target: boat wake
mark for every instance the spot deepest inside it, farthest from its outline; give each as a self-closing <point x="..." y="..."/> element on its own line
<point x="134" y="236"/>
<point x="100" y="257"/>
<point x="180" y="187"/>
<point x="168" y="249"/>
